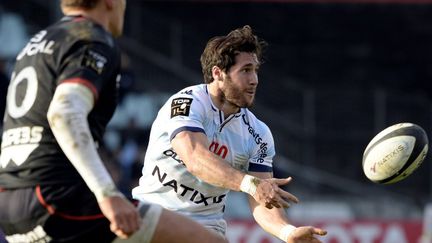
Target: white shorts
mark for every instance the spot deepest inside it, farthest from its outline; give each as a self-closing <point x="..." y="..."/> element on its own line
<point x="150" y="214"/>
<point x="217" y="225"/>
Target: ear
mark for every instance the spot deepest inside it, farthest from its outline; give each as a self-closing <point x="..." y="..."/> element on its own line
<point x="217" y="73"/>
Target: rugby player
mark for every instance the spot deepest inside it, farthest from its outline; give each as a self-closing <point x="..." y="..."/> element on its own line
<point x="205" y="141"/>
<point x="53" y="184"/>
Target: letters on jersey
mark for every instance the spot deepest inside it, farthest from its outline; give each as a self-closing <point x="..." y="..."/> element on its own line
<point x="18" y="143"/>
<point x="240" y="139"/>
<point x="37" y="45"/>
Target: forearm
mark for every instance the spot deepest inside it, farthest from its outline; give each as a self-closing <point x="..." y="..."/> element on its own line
<point x="207" y="166"/>
<point x="274" y="220"/>
<point x="67" y="116"/>
<point x="271" y="220"/>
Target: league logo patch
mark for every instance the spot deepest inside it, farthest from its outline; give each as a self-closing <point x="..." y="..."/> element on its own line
<point x="180" y="107"/>
<point x="94" y="61"/>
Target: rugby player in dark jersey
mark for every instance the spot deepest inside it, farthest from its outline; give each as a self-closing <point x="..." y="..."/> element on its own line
<point x="53" y="184"/>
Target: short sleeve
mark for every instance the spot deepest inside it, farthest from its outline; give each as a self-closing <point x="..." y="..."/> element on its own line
<point x="91" y="64"/>
<point x="186" y="113"/>
<point x="263" y="152"/>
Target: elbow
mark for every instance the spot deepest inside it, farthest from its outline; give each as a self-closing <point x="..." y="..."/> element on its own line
<point x="52" y="116"/>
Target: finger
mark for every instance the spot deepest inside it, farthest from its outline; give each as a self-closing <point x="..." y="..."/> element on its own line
<point x="121" y="234"/>
<point x="287" y="195"/>
<point x="115" y="229"/>
<point x="122" y="230"/>
<point x="132" y="221"/>
<point x="282" y="181"/>
<point x="279" y="202"/>
<point x="318" y="231"/>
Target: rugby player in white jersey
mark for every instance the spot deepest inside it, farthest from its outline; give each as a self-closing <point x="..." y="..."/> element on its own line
<point x="205" y="142"/>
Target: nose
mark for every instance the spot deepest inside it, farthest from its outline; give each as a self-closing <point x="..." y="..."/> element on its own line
<point x="254" y="80"/>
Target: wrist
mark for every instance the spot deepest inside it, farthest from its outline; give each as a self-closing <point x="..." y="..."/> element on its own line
<point x="107" y="191"/>
<point x="285" y="231"/>
<point x="249" y="184"/>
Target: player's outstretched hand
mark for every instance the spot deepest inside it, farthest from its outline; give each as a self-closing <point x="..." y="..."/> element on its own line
<point x="122" y="214"/>
<point x="269" y="193"/>
<point x="305" y="234"/>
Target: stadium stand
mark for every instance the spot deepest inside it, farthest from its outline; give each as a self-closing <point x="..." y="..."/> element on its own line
<point x="335" y="75"/>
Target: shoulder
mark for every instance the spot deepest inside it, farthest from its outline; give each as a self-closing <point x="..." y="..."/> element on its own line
<point x="86" y="30"/>
<point x="195" y="94"/>
<point x="198" y="91"/>
<point x="74" y="34"/>
<point x="190" y="100"/>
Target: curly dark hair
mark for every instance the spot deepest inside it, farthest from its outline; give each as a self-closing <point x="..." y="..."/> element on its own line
<point x="85" y="4"/>
<point x="221" y="51"/>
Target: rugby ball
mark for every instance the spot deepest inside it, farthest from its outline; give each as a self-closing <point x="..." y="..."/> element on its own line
<point x="395" y="153"/>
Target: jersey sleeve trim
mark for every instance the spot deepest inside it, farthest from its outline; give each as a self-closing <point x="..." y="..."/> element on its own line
<point x="84" y="82"/>
<point x="186" y="128"/>
<point x="259" y="168"/>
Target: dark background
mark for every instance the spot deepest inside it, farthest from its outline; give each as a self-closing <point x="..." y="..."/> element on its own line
<point x="336" y="73"/>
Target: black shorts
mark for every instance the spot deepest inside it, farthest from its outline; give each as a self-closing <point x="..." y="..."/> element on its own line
<point x="54" y="213"/>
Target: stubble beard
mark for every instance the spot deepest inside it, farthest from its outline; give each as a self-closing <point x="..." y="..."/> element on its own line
<point x="234" y="95"/>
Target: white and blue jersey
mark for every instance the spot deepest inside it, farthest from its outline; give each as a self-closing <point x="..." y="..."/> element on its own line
<point x="240" y="139"/>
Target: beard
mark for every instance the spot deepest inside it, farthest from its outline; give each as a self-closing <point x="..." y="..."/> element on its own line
<point x="236" y="96"/>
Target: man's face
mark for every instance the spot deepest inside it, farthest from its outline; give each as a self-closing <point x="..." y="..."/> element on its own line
<point x="240" y="83"/>
<point x="117" y="18"/>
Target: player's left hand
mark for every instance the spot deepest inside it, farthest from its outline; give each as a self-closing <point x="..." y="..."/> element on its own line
<point x="270" y="194"/>
<point x="306" y="234"/>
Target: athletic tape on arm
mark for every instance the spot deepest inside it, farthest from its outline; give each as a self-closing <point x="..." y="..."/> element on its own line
<point x="67" y="116"/>
<point x="249" y="184"/>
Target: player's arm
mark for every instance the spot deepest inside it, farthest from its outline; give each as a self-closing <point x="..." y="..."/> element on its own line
<point x="67" y="116"/>
<point x="192" y="147"/>
<point x="275" y="221"/>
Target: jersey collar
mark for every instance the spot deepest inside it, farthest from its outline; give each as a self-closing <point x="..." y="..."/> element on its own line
<point x="219" y="116"/>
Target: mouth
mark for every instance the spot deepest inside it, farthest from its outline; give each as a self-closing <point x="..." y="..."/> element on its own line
<point x="251" y="92"/>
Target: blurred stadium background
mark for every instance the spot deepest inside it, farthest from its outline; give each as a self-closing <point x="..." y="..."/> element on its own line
<point x="336" y="73"/>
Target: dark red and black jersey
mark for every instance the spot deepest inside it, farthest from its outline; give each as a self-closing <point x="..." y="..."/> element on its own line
<point x="74" y="49"/>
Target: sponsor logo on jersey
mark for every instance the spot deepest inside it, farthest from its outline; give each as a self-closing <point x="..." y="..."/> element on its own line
<point x="94" y="60"/>
<point x="180" y="107"/>
<point x="35" y="235"/>
<point x="219" y="149"/>
<point x="18" y="143"/>
<point x="262" y="152"/>
<point x="186" y="192"/>
<point x="188" y="92"/>
<point x="171" y="153"/>
<point x="37" y="45"/>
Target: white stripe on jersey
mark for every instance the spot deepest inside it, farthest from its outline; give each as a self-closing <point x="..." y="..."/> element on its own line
<point x="241" y="139"/>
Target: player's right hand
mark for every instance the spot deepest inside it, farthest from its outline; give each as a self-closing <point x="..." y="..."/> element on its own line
<point x="270" y="194"/>
<point x="122" y="214"/>
<point x="305" y="234"/>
